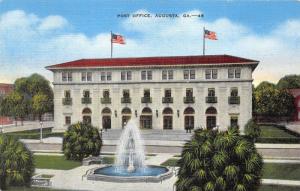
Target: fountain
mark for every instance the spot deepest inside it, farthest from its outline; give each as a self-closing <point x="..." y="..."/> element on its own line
<point x="130" y="161"/>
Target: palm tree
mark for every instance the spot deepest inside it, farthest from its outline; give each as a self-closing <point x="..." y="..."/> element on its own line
<point x="219" y="161"/>
<point x="81" y="140"/>
<point x="16" y="161"/>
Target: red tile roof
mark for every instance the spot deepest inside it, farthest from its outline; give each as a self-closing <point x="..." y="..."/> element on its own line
<point x="154" y="61"/>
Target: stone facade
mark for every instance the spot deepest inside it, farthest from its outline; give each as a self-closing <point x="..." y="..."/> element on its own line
<point x="217" y="99"/>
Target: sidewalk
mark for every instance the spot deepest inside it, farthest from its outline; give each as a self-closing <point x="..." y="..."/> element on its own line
<point x="28" y="125"/>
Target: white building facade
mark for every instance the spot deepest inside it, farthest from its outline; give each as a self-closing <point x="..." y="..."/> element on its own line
<point x="179" y="93"/>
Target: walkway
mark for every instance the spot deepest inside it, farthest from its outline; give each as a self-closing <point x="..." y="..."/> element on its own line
<point x="28" y="125"/>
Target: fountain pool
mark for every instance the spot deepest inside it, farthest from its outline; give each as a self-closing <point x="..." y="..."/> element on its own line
<point x="130" y="161"/>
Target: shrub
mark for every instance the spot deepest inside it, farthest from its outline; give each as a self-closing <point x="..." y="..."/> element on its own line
<point x="219" y="161"/>
<point x="81" y="140"/>
<point x="16" y="161"/>
<point x="252" y="130"/>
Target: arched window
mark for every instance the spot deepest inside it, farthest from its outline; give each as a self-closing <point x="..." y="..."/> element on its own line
<point x="167" y="110"/>
<point x="126" y="110"/>
<point x="86" y="111"/>
<point x="106" y="111"/>
<point x="211" y="110"/>
<point x="189" y="110"/>
<point x="146" y="110"/>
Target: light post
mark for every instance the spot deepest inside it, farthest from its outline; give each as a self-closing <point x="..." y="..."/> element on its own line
<point x="41" y="131"/>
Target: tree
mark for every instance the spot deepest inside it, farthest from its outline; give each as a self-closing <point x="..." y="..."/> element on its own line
<point x="17" y="105"/>
<point x="289" y="82"/>
<point x="41" y="104"/>
<point x="16" y="162"/>
<point x="271" y="101"/>
<point x="252" y="130"/>
<point x="219" y="161"/>
<point x="80" y="141"/>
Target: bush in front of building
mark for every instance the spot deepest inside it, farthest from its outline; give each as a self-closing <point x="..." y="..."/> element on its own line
<point x="16" y="163"/>
<point x="80" y="141"/>
<point x="252" y="130"/>
<point x="214" y="160"/>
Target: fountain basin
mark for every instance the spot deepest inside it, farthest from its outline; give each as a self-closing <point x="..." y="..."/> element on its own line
<point x="150" y="173"/>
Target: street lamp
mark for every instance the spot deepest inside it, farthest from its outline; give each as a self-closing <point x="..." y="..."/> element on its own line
<point x="41" y="131"/>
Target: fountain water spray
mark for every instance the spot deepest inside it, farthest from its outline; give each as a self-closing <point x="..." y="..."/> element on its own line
<point x="130" y="154"/>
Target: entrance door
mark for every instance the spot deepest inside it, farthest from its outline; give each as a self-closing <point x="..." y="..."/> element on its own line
<point x="125" y="119"/>
<point x="146" y="122"/>
<point x="106" y="122"/>
<point x="189" y="122"/>
<point x="87" y="119"/>
<point x="211" y="122"/>
<point x="168" y="122"/>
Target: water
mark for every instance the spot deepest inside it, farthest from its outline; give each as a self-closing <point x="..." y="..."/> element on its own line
<point x="146" y="171"/>
<point x="130" y="154"/>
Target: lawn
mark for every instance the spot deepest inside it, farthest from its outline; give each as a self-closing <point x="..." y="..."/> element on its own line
<point x="278" y="188"/>
<point x="277" y="134"/>
<point x="285" y="171"/>
<point x="54" y="162"/>
<point x="35" y="134"/>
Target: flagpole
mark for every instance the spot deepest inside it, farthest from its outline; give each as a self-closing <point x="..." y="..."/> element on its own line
<point x="111" y="45"/>
<point x="203" y="41"/>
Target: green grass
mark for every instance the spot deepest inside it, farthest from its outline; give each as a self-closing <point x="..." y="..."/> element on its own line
<point x="34" y="134"/>
<point x="278" y="188"/>
<point x="275" y="131"/>
<point x="54" y="162"/>
<point x="285" y="171"/>
<point x="108" y="160"/>
<point x="281" y="171"/>
<point x="170" y="162"/>
<point x="277" y="134"/>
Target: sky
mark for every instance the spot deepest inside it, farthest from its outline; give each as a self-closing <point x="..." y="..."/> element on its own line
<point x="37" y="33"/>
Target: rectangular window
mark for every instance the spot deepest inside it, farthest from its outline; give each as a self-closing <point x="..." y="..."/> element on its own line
<point x="164" y="74"/>
<point x="83" y="76"/>
<point x="108" y="76"/>
<point x="234" y="92"/>
<point x="143" y="75"/>
<point x="103" y="77"/>
<point x="86" y="93"/>
<point x="64" y="76"/>
<point x="234" y="121"/>
<point x="89" y="76"/>
<point x="67" y="94"/>
<point x="230" y="73"/>
<point x="123" y="75"/>
<point x="214" y="74"/>
<point x="237" y="73"/>
<point x="189" y="92"/>
<point x="211" y="92"/>
<point x="147" y="93"/>
<point x="186" y="74"/>
<point x="168" y="93"/>
<point x="192" y="74"/>
<point x="70" y="76"/>
<point x="207" y="74"/>
<point x="170" y="74"/>
<point x="129" y="75"/>
<point x="149" y="75"/>
<point x="126" y="94"/>
<point x="67" y="120"/>
<point x="106" y="93"/>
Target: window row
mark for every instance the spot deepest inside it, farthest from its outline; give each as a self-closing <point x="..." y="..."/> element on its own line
<point x="146" y="118"/>
<point x="147" y="75"/>
<point x="189" y="97"/>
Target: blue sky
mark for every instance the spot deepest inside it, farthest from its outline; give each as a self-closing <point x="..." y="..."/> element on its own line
<point x="36" y="33"/>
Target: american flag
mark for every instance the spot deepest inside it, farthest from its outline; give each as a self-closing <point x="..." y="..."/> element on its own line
<point x="117" y="39"/>
<point x="210" y="35"/>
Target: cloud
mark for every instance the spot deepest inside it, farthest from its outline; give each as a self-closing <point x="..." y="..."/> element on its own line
<point x="52" y="22"/>
<point x="29" y="42"/>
